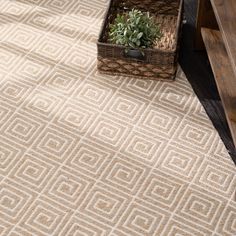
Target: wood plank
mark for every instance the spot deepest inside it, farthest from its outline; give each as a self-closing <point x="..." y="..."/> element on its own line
<point x="225" y="12"/>
<point x="205" y="18"/>
<point x="224" y="76"/>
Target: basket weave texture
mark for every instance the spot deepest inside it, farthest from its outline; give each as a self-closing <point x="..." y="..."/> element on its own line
<point x="159" y="62"/>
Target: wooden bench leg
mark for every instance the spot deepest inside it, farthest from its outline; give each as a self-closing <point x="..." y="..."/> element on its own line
<point x="205" y="18"/>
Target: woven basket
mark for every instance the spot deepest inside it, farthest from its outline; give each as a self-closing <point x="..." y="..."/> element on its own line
<point x="159" y="62"/>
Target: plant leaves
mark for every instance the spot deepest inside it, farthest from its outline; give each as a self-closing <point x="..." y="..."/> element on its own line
<point x="134" y="29"/>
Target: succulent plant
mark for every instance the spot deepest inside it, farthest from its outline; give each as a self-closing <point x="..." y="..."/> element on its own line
<point x="134" y="29"/>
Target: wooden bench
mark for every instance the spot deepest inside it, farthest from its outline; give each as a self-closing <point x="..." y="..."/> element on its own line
<point x="216" y="29"/>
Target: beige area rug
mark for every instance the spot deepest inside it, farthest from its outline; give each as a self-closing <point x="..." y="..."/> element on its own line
<point x="87" y="154"/>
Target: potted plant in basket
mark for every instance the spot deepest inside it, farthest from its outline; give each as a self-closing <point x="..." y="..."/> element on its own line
<point x="129" y="41"/>
<point x="136" y="30"/>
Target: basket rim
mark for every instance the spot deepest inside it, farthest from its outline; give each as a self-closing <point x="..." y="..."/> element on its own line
<point x="143" y="49"/>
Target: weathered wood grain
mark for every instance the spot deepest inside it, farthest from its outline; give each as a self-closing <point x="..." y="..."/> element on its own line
<point x="224" y="75"/>
<point x="205" y="18"/>
<point x="225" y="12"/>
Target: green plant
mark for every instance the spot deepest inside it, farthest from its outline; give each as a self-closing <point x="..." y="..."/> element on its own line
<point x="134" y="29"/>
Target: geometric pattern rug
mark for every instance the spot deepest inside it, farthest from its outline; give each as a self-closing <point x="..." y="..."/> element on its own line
<point x="83" y="153"/>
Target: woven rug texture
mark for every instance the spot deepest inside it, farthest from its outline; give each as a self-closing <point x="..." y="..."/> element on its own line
<point x="83" y="153"/>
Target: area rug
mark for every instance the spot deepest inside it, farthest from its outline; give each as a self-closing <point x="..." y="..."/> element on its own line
<point x="82" y="153"/>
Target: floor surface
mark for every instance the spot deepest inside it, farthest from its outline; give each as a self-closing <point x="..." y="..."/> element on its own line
<point x="82" y="153"/>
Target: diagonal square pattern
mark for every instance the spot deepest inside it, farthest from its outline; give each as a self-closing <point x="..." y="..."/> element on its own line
<point x="21" y="129"/>
<point x="139" y="220"/>
<point x="43" y="218"/>
<point x="67" y="189"/>
<point x="104" y="206"/>
<point x="55" y="144"/>
<point x="88" y="154"/>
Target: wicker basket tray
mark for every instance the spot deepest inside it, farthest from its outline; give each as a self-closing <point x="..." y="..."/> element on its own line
<point x="159" y="62"/>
